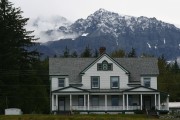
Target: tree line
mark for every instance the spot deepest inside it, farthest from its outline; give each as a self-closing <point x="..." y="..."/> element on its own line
<point x="24" y="79"/>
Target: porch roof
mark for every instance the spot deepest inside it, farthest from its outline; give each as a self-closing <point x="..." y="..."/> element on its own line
<point x="105" y="90"/>
<point x="144" y="89"/>
<point x="70" y="89"/>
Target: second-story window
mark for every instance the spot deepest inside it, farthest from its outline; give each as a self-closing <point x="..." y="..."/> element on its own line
<point x="114" y="81"/>
<point x="95" y="82"/>
<point x="147" y="82"/>
<point x="61" y="82"/>
<point x="105" y="65"/>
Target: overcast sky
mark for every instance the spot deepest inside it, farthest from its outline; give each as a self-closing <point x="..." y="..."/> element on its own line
<point x="165" y="10"/>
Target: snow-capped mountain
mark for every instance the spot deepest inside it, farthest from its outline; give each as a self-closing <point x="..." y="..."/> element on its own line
<point x="106" y="22"/>
<point x="114" y="31"/>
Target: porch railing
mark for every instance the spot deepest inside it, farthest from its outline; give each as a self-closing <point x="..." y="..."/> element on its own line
<point x="103" y="108"/>
<point x="164" y="107"/>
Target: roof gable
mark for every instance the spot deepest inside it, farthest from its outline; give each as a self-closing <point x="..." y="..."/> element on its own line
<point x="100" y="57"/>
<point x="141" y="89"/>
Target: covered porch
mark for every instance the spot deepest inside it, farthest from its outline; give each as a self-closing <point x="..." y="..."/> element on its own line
<point x="84" y="101"/>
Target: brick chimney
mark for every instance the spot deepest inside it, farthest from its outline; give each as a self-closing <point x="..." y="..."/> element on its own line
<point x="102" y="50"/>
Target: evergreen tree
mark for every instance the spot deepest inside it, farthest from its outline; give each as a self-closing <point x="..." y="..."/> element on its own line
<point x="96" y="54"/>
<point x="87" y="52"/>
<point x="18" y="74"/>
<point x="66" y="52"/>
<point x="74" y="54"/>
<point x="132" y="53"/>
<point x="175" y="67"/>
<point x="15" y="39"/>
<point x="118" y="53"/>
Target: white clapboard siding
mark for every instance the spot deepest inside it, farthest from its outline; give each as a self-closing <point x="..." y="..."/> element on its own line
<point x="153" y="81"/>
<point x="105" y="76"/>
<point x="54" y="82"/>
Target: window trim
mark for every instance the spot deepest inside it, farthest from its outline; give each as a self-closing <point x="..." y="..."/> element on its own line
<point x="100" y="66"/>
<point x="149" y="78"/>
<point x="104" y="63"/>
<point x="63" y="79"/>
<point x="98" y="82"/>
<point x="111" y="82"/>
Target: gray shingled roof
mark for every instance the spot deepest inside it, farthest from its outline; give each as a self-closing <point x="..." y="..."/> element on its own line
<point x="73" y="66"/>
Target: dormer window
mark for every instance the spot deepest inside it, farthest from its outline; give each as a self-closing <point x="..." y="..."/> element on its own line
<point x="104" y="66"/>
<point x="61" y="82"/>
<point x="147" y="82"/>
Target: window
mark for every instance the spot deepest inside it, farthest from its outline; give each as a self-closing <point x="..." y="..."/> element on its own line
<point x="80" y="100"/>
<point x="94" y="82"/>
<point x="110" y="66"/>
<point x="61" y="82"/>
<point x="114" y="100"/>
<point x="95" y="100"/>
<point x="147" y="82"/>
<point x="115" y="82"/>
<point x="104" y="66"/>
<point x="99" y="66"/>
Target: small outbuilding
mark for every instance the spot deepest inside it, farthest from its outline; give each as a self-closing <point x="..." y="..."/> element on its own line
<point x="13" y="111"/>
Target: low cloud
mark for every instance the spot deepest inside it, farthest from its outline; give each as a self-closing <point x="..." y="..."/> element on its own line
<point x="47" y="28"/>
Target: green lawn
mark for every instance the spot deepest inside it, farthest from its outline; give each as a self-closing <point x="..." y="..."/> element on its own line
<point x="77" y="117"/>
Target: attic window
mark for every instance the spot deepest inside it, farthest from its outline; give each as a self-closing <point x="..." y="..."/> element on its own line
<point x="104" y="66"/>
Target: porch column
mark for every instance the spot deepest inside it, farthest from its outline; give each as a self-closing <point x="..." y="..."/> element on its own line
<point x="70" y="102"/>
<point x="105" y="102"/>
<point x="167" y="102"/>
<point x="159" y="103"/>
<point x="155" y="101"/>
<point x="56" y="102"/>
<point x="52" y="102"/>
<point x="141" y="101"/>
<point x="123" y="103"/>
<point x="88" y="102"/>
<point x="84" y="102"/>
<point x="127" y="101"/>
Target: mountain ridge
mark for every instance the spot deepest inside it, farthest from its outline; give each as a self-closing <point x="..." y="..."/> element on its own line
<point x="146" y="35"/>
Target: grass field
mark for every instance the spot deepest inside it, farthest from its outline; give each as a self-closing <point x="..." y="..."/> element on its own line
<point x="77" y="117"/>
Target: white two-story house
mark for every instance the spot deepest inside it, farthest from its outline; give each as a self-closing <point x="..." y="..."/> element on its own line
<point x="105" y="84"/>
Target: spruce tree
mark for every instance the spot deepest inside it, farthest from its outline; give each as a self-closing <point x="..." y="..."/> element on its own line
<point x="86" y="52"/>
<point x="132" y="53"/>
<point x="66" y="52"/>
<point x="74" y="54"/>
<point x="118" y="53"/>
<point x="15" y="39"/>
<point x="18" y="76"/>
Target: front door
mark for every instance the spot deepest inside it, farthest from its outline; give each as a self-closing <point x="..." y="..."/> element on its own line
<point x="147" y="102"/>
<point x="61" y="104"/>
